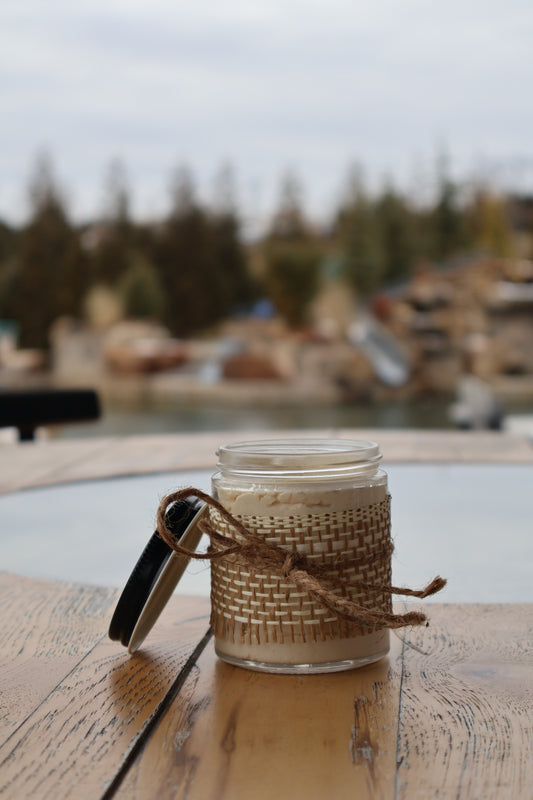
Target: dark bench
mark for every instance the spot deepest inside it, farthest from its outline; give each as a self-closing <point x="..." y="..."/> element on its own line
<point x="29" y="409"/>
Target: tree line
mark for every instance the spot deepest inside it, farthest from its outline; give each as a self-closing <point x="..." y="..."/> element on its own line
<point x="192" y="268"/>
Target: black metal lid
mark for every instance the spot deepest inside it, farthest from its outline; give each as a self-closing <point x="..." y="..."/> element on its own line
<point x="155" y="576"/>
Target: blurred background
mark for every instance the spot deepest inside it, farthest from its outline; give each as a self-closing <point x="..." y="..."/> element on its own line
<point x="271" y="215"/>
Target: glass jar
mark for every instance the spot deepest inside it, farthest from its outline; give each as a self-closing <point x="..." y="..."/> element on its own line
<point x="326" y="500"/>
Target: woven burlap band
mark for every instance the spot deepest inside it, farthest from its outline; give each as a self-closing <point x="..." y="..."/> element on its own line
<point x="350" y="550"/>
<point x="298" y="579"/>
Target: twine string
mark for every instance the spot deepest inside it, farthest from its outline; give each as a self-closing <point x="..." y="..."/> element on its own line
<point x="259" y="554"/>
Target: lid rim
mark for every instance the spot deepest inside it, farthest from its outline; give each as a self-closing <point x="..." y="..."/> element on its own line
<point x="147" y="572"/>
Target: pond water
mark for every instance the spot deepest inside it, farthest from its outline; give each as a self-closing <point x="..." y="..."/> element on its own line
<point x="197" y="417"/>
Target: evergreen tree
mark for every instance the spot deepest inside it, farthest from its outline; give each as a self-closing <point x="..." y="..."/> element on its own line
<point x="141" y="291"/>
<point x="9" y="244"/>
<point x="288" y="222"/>
<point x="489" y="224"/>
<point x="195" y="293"/>
<point x="9" y="285"/>
<point x="292" y="257"/>
<point x="230" y="254"/>
<point x="396" y="230"/>
<point x="232" y="263"/>
<point x="359" y="234"/>
<point x="529" y="233"/>
<point x="112" y="256"/>
<point x="447" y="221"/>
<point x="51" y="272"/>
<point x="292" y="278"/>
<point x="8" y="241"/>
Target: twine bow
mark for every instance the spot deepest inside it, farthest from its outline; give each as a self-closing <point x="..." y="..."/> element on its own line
<point x="257" y="553"/>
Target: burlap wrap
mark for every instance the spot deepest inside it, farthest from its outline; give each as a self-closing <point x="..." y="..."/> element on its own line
<point x="353" y="549"/>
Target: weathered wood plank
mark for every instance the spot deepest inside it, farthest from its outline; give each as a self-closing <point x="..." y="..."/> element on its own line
<point x="444" y="446"/>
<point x="47" y="628"/>
<point x="79" y="736"/>
<point x="134" y="455"/>
<point x="232" y="733"/>
<point x="472" y="446"/>
<point x="466" y="727"/>
<point x="27" y="464"/>
<point x="79" y="717"/>
<point x="44" y="463"/>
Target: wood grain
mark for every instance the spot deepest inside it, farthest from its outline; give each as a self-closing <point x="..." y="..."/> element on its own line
<point x="448" y="716"/>
<point x="233" y="733"/>
<point x="34" y="464"/>
<point x="28" y="464"/>
<point x="45" y="463"/>
<point x="47" y="628"/>
<point x="80" y="735"/>
<point x="466" y="727"/>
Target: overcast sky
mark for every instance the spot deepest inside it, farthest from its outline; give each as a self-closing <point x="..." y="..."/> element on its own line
<point x="267" y="85"/>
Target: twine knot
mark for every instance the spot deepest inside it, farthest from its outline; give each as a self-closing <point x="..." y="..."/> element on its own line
<point x="259" y="554"/>
<point x="291" y="561"/>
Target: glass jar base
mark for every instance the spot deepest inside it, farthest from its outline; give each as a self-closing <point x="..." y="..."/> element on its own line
<point x="303" y="669"/>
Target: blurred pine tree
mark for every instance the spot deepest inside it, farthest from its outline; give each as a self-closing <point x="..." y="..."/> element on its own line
<point x="292" y="256"/>
<point x="141" y="291"/>
<point x="395" y="222"/>
<point x="201" y="261"/>
<point x="360" y="238"/>
<point x="111" y="257"/>
<point x="51" y="271"/>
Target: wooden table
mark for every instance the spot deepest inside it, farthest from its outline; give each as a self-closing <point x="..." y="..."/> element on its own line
<point x="449" y="714"/>
<point x="29" y="464"/>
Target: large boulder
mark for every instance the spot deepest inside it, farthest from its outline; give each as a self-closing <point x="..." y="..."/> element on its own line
<point x="249" y="366"/>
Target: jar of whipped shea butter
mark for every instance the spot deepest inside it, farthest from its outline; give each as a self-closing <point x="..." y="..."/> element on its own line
<point x="327" y="501"/>
<point x="300" y="553"/>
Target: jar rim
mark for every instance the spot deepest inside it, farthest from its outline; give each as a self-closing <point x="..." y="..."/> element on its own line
<point x="294" y="454"/>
